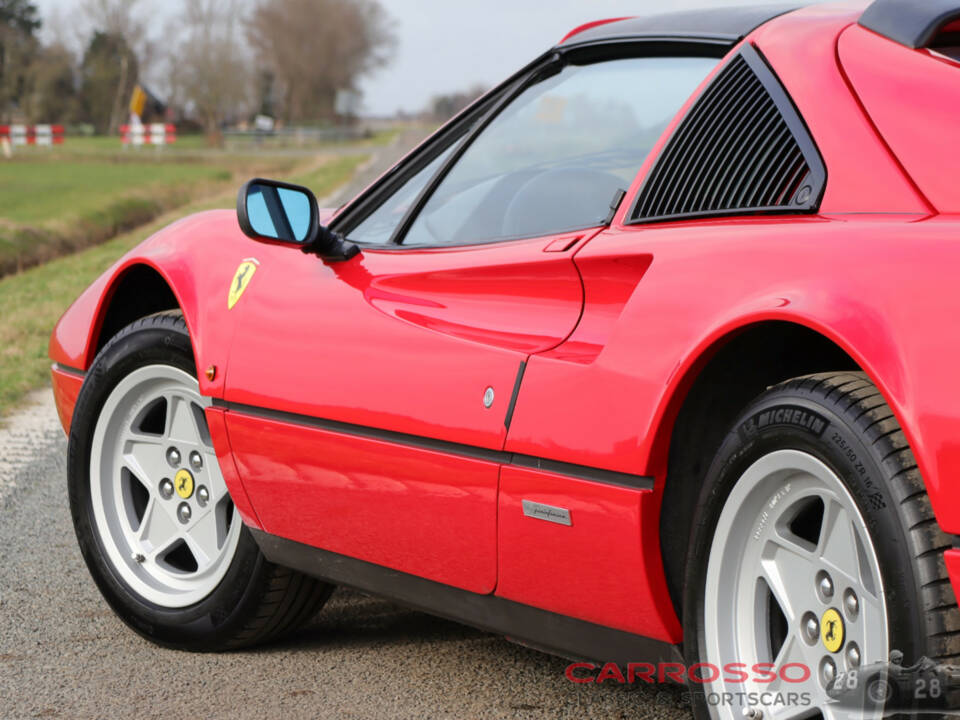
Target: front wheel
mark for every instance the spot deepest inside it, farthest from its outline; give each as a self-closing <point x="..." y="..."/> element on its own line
<point x="814" y="553"/>
<point x="151" y="510"/>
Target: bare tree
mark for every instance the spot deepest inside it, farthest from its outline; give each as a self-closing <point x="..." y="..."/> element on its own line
<point x="53" y="94"/>
<point x="59" y="31"/>
<point x="19" y="22"/>
<point x="108" y="73"/>
<point x="313" y="48"/>
<point x="123" y="19"/>
<point x="118" y="17"/>
<point x="211" y="71"/>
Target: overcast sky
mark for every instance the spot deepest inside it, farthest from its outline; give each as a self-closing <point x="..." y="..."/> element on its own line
<point x="450" y="45"/>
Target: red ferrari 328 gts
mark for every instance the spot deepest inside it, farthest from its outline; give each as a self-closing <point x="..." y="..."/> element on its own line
<point x="650" y="355"/>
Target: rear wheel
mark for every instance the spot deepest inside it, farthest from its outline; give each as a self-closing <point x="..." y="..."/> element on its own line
<point x="152" y="513"/>
<point x="814" y="549"/>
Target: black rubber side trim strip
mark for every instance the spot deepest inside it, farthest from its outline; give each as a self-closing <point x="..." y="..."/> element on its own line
<point x="579" y="472"/>
<point x="513" y="398"/>
<point x="450" y="448"/>
<point x="550" y="632"/>
<point x="583" y="472"/>
<point x="70" y="370"/>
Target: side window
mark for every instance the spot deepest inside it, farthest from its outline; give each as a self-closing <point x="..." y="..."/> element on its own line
<point x="378" y="227"/>
<point x="552" y="161"/>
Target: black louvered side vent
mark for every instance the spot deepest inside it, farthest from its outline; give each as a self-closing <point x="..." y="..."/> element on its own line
<point x="741" y="149"/>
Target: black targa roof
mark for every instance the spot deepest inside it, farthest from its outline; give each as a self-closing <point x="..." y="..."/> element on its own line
<point x="731" y="24"/>
<point x="913" y="23"/>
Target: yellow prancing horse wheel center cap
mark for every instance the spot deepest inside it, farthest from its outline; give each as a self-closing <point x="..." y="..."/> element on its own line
<point x="831" y="630"/>
<point x="183" y="482"/>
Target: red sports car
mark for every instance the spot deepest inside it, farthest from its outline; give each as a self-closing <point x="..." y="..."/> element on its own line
<point x="649" y="357"/>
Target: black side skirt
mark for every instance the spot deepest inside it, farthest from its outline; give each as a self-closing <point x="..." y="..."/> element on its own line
<point x="552" y="633"/>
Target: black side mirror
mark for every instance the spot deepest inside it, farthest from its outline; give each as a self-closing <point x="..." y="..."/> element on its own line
<point x="282" y="214"/>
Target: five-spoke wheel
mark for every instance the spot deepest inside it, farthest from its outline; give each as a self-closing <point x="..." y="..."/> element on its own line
<point x="813" y="555"/>
<point x="793" y="580"/>
<point x="152" y="512"/>
<point x="159" y="498"/>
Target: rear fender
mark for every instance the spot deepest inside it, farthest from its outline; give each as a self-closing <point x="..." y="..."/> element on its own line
<point x="608" y="397"/>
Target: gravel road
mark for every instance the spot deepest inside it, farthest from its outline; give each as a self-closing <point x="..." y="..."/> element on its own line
<point x="63" y="654"/>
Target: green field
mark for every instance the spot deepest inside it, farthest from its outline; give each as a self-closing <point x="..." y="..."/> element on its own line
<point x="38" y="192"/>
<point x="318" y="178"/>
<point x="53" y="205"/>
<point x="197" y="144"/>
<point x="60" y="200"/>
<point x="100" y="144"/>
<point x="31" y="301"/>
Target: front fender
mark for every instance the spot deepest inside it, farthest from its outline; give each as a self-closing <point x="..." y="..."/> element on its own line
<point x="197" y="257"/>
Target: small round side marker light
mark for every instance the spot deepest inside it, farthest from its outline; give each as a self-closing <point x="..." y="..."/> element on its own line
<point x="488" y="397"/>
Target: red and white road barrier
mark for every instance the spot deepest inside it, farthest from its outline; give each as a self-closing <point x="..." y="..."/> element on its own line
<point x="45" y="135"/>
<point x="152" y="134"/>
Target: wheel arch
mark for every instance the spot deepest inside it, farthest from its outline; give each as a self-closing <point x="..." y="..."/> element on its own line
<point x="186" y="266"/>
<point x="724" y="377"/>
<point x="139" y="290"/>
<point x="143" y="286"/>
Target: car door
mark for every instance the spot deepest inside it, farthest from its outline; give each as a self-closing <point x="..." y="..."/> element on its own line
<point x="369" y="400"/>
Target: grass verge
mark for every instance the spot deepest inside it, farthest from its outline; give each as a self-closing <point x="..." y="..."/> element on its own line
<point x="52" y="207"/>
<point x="32" y="301"/>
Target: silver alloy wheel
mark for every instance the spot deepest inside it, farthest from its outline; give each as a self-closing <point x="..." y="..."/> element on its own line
<point x="160" y="503"/>
<point x="790" y="545"/>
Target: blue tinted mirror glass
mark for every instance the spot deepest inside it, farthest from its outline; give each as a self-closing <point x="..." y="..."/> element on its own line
<point x="258" y="214"/>
<point x="296" y="206"/>
<point x="279" y="213"/>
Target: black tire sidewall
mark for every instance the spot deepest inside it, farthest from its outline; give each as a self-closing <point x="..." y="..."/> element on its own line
<point x="808" y="424"/>
<point x="159" y="340"/>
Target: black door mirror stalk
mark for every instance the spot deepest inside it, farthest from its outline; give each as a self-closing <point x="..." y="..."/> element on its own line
<point x="331" y="246"/>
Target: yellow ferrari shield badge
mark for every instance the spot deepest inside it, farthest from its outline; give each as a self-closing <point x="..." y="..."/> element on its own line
<point x="240" y="281"/>
<point x="831" y="630"/>
<point x="183" y="483"/>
